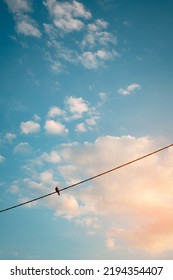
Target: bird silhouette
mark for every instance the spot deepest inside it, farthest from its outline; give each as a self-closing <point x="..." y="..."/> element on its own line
<point x="57" y="190"/>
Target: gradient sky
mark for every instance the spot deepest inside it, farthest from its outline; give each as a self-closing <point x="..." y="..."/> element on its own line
<point x="86" y="86"/>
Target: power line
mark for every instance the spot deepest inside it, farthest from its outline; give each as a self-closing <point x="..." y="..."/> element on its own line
<point x="88" y="179"/>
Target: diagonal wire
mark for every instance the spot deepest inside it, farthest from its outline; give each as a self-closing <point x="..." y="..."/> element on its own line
<point x="88" y="179"/>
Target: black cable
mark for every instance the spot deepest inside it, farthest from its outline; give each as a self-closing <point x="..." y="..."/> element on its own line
<point x="88" y="179"/>
<point x="26" y="202"/>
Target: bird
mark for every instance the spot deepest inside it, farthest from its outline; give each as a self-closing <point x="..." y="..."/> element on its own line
<point x="57" y="190"/>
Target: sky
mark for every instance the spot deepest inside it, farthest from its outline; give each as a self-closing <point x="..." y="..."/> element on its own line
<point x="86" y="86"/>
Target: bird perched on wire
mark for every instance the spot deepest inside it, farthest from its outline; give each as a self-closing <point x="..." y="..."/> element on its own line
<point x="57" y="190"/>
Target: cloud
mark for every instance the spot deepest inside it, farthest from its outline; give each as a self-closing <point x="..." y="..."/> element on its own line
<point x="46" y="177"/>
<point x="36" y="118"/>
<point x="130" y="89"/>
<point x="22" y="148"/>
<point x="66" y="14"/>
<point x="81" y="127"/>
<point x="77" y="106"/>
<point x="19" y="6"/>
<point x="53" y="127"/>
<point x="27" y="26"/>
<point x="29" y="127"/>
<point x="93" y="50"/>
<point x="153" y="238"/>
<point x="24" y="23"/>
<point x="103" y="97"/>
<point x="2" y="159"/>
<point x="132" y="207"/>
<point x="52" y="157"/>
<point x="96" y="36"/>
<point x="55" y="111"/>
<point x="93" y="60"/>
<point x="10" y="137"/>
<point x="14" y="189"/>
<point x="136" y="201"/>
<point x="98" y="25"/>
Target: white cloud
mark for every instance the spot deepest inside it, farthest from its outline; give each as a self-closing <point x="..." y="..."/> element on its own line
<point x="24" y="23"/>
<point x="2" y="159"/>
<point x="93" y="51"/>
<point x="77" y="106"/>
<point x="52" y="157"/>
<point x="55" y="111"/>
<point x="92" y="60"/>
<point x="101" y="39"/>
<point x="92" y="121"/>
<point x="46" y="177"/>
<point x="98" y="25"/>
<point x="19" y="6"/>
<point x="29" y="127"/>
<point x="22" y="148"/>
<point x="97" y="38"/>
<point x="81" y="127"/>
<point x="130" y="89"/>
<point x="10" y="136"/>
<point x="54" y="127"/>
<point x="67" y="206"/>
<point x="66" y="14"/>
<point x="27" y="26"/>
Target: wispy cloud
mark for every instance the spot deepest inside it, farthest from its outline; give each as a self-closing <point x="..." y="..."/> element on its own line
<point x="93" y="50"/>
<point x="130" y="89"/>
<point x="9" y="137"/>
<point x="25" y="24"/>
<point x="96" y="36"/>
<point x="93" y="60"/>
<point x="29" y="127"/>
<point x="103" y="97"/>
<point x="19" y="6"/>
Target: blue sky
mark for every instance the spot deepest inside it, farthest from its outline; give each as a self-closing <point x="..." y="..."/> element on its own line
<point x="85" y="86"/>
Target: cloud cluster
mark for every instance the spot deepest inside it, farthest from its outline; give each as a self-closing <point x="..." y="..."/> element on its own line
<point x="97" y="45"/>
<point x="66" y="15"/>
<point x="25" y="24"/>
<point x="136" y="201"/>
<point x="97" y="35"/>
<point x="76" y="109"/>
<point x="131" y="207"/>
